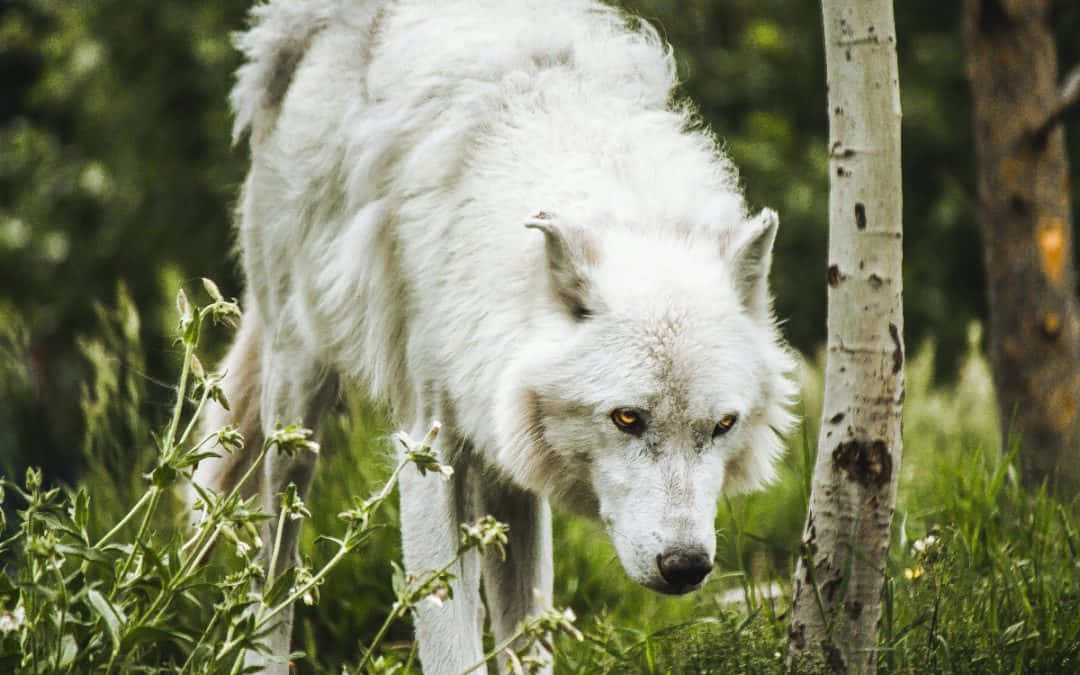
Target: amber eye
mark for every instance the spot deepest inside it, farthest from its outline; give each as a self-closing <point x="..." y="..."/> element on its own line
<point x="724" y="425"/>
<point x="628" y="420"/>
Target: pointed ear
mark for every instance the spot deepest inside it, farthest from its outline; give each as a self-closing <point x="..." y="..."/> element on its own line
<point x="749" y="252"/>
<point x="568" y="253"/>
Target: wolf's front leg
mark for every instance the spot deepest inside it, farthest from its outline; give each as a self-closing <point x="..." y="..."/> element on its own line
<point x="451" y="634"/>
<point x="516" y="587"/>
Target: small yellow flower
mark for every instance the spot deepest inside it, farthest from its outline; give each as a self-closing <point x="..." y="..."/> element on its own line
<point x="912" y="573"/>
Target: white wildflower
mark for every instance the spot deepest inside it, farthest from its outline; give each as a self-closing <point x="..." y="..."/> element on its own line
<point x="12" y="621"/>
<point x="926" y="542"/>
<point x="438" y="597"/>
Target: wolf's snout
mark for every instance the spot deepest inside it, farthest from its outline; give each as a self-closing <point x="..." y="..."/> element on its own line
<point x="684" y="569"/>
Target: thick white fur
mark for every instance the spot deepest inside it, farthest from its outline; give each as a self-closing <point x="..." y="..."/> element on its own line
<point x="398" y="150"/>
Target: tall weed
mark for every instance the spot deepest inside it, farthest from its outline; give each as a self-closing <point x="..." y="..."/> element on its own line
<point x="86" y="586"/>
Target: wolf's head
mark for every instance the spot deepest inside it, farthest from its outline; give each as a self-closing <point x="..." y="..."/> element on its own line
<point x="658" y="381"/>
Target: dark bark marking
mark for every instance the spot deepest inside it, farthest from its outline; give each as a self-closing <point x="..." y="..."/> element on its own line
<point x="1019" y="205"/>
<point x="875" y="281"/>
<point x="898" y="349"/>
<point x="853" y="609"/>
<point x="838" y="151"/>
<point x="833" y="658"/>
<point x="829" y="588"/>
<point x="1039" y="138"/>
<point x="834" y="276"/>
<point x="837" y="418"/>
<point x="868" y="463"/>
<point x="797" y="635"/>
<point x="860" y="215"/>
<point x="993" y="18"/>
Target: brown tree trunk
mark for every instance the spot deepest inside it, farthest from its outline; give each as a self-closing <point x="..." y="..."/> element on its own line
<point x="1023" y="208"/>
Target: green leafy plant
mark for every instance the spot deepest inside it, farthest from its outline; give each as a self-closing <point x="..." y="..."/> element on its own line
<point x="146" y="598"/>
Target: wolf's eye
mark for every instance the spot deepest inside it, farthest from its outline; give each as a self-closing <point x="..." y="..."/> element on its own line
<point x="724" y="425"/>
<point x="629" y="421"/>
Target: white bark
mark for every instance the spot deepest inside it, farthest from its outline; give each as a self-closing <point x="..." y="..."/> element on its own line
<point x="839" y="577"/>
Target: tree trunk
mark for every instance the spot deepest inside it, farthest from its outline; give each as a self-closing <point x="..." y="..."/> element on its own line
<point x="1023" y="187"/>
<point x="839" y="576"/>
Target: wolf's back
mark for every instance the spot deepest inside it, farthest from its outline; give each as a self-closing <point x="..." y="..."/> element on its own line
<point x="279" y="34"/>
<point x="462" y="39"/>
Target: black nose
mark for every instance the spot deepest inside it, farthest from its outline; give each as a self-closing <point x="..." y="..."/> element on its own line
<point x="684" y="568"/>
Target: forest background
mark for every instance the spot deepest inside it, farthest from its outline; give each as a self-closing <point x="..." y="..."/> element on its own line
<point x="117" y="181"/>
<point x="116" y="167"/>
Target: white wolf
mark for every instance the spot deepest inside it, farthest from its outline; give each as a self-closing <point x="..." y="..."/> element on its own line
<point x="493" y="213"/>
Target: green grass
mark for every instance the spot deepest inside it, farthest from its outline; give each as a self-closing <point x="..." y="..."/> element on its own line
<point x="982" y="576"/>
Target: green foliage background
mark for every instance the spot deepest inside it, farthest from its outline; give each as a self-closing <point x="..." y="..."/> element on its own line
<point x="116" y="186"/>
<point x="115" y="165"/>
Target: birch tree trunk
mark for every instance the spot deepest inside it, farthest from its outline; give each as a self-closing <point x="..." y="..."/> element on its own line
<point x="839" y="575"/>
<point x="1024" y="211"/>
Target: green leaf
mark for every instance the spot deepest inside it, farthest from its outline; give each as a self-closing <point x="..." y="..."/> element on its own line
<point x="212" y="290"/>
<point x="80" y="510"/>
<point x="193" y="458"/>
<point x="6" y="587"/>
<point x="68" y="650"/>
<point x="50" y="593"/>
<point x="398" y="579"/>
<point x="85" y="553"/>
<point x="113" y="617"/>
<point x="151" y="556"/>
<point x="118" y="549"/>
<point x="280" y="588"/>
<point x="163" y="477"/>
<point x="149" y="633"/>
<point x="33" y="478"/>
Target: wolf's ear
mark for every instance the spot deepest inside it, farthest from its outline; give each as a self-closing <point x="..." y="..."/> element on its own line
<point x="749" y="252"/>
<point x="568" y="253"/>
